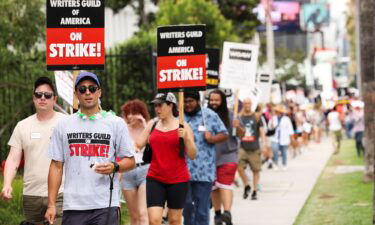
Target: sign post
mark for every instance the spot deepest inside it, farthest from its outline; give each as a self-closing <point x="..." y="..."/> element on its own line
<point x="181" y="63"/>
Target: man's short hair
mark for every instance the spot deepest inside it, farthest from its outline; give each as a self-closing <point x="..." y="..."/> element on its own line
<point x="192" y="94"/>
<point x="44" y="80"/>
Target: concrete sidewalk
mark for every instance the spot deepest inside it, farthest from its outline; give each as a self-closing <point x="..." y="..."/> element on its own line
<point x="283" y="193"/>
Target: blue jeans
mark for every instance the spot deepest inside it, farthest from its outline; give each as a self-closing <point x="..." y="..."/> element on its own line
<point x="276" y="147"/>
<point x="197" y="206"/>
<point x="358" y="142"/>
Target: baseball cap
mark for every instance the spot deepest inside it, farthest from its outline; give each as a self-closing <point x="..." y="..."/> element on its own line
<point x="44" y="80"/>
<point x="86" y="75"/>
<point x="164" y="97"/>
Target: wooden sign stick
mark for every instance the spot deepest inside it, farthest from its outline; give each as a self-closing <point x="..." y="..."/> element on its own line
<point x="235" y="110"/>
<point x="181" y="120"/>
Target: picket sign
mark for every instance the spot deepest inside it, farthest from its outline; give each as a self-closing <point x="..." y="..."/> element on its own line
<point x="181" y="62"/>
<point x="264" y="81"/>
<point x="75" y="35"/>
<point x="239" y="65"/>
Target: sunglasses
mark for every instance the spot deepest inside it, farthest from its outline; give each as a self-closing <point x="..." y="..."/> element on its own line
<point x="92" y="89"/>
<point x="47" y="95"/>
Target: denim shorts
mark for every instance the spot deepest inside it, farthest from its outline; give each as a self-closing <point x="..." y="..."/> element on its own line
<point x="134" y="178"/>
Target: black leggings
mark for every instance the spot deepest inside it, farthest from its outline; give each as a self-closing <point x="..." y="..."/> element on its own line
<point x="157" y="193"/>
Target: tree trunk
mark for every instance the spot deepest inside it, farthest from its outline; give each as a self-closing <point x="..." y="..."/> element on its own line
<point x="367" y="24"/>
<point x="142" y="13"/>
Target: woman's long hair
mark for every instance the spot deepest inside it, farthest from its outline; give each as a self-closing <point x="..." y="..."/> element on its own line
<point x="174" y="109"/>
<point x="222" y="110"/>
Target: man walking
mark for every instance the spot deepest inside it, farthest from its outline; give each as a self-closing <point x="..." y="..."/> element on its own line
<point x="87" y="144"/>
<point x="335" y="122"/>
<point x="226" y="159"/>
<point x="208" y="130"/>
<point x="31" y="138"/>
<point x="283" y="136"/>
<point x="250" y="152"/>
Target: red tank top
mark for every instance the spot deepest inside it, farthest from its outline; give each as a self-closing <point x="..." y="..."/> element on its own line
<point x="166" y="164"/>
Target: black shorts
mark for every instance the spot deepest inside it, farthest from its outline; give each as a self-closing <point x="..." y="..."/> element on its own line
<point x="93" y="216"/>
<point x="157" y="193"/>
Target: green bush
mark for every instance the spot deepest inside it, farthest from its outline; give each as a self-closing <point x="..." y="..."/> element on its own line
<point x="11" y="212"/>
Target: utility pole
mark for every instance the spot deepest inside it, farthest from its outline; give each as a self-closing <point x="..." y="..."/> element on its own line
<point x="358" y="47"/>
<point x="270" y="39"/>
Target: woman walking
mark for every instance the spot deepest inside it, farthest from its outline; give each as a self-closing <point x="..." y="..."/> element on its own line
<point x="168" y="175"/>
<point x="133" y="183"/>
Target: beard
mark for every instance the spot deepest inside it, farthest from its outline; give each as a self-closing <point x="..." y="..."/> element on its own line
<point x="213" y="107"/>
<point x="194" y="112"/>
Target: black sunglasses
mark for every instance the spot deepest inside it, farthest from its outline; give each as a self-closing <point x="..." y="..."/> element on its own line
<point x="92" y="89"/>
<point x="47" y="95"/>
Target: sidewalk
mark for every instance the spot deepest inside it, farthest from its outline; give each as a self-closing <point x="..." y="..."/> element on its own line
<point x="283" y="193"/>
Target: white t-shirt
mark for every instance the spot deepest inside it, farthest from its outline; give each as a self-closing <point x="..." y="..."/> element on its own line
<point x="33" y="137"/>
<point x="79" y="143"/>
<point x="334" y="121"/>
<point x="283" y="131"/>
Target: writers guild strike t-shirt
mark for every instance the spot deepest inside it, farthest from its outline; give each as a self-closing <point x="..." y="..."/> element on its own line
<point x="79" y="143"/>
<point x="250" y="140"/>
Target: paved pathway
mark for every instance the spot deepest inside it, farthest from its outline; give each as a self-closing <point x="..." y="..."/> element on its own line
<point x="283" y="193"/>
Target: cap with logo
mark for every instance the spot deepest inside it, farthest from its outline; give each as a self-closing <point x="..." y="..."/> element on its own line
<point x="164" y="97"/>
<point x="86" y="76"/>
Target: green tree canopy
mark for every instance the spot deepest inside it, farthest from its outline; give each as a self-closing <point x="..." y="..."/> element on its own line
<point x="218" y="29"/>
<point x="241" y="15"/>
<point x="138" y="5"/>
<point x="22" y="26"/>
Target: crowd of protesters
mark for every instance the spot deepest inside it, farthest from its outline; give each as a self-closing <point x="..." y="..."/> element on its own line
<point x="158" y="176"/>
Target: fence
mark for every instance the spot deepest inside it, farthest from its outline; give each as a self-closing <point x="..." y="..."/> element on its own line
<point x="126" y="76"/>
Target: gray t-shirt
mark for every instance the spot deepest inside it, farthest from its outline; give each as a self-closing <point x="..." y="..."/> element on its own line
<point x="78" y="143"/>
<point x="226" y="152"/>
<point x="250" y="141"/>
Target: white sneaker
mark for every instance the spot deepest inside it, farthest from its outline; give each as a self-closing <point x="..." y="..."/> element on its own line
<point x="284" y="168"/>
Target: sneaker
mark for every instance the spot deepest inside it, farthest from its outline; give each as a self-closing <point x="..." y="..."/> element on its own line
<point x="270" y="165"/>
<point x="226" y="217"/>
<point x="254" y="196"/>
<point x="217" y="220"/>
<point x="246" y="191"/>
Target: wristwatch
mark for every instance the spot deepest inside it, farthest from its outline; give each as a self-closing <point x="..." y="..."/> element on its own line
<point x="116" y="167"/>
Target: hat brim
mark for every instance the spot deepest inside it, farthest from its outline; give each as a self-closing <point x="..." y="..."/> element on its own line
<point x="87" y="78"/>
<point x="157" y="101"/>
<point x="280" y="110"/>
